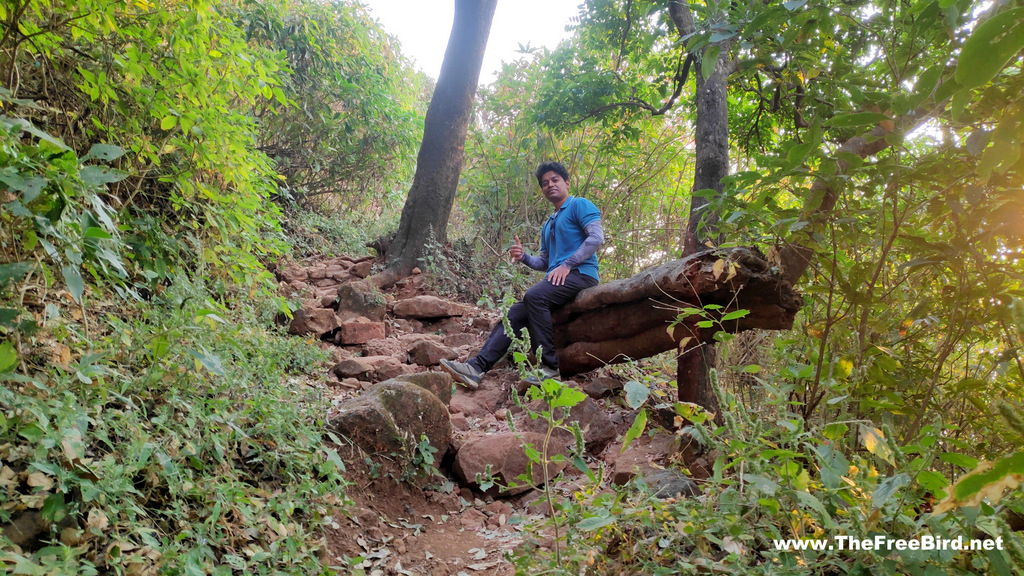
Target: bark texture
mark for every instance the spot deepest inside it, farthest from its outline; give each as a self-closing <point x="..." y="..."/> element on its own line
<point x="631" y="319"/>
<point x="711" y="166"/>
<point x="428" y="206"/>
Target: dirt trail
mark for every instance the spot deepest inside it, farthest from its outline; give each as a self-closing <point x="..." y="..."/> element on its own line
<point x="403" y="525"/>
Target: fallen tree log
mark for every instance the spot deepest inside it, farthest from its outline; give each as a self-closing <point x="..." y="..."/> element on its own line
<point x="640" y="316"/>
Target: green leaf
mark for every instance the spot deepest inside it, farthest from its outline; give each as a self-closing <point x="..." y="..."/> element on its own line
<point x="73" y="278"/>
<point x="886" y="488"/>
<point x="105" y="152"/>
<point x="636" y="394"/>
<point x="168" y="122"/>
<point x="990" y="47"/>
<point x="959" y="460"/>
<point x="857" y="119"/>
<point x="708" y="61"/>
<point x="95" y="232"/>
<point x="101" y="175"/>
<point x="209" y="361"/>
<point x="595" y="522"/>
<point x="735" y="315"/>
<point x="581" y="465"/>
<point x="13" y="272"/>
<point x="705" y="324"/>
<point x="635" y="430"/>
<point x="8" y="356"/>
<point x="792" y="5"/>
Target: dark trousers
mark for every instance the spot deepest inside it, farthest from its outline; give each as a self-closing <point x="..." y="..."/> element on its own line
<point x="534" y="314"/>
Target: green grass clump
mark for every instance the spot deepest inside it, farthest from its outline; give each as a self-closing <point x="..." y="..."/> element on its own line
<point x="180" y="441"/>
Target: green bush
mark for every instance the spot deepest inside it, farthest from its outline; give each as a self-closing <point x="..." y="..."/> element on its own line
<point x="183" y="441"/>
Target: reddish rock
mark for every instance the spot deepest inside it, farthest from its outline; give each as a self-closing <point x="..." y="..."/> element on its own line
<point x="362" y="269"/>
<point x="481" y="322"/>
<point x="393" y="369"/>
<point x="507" y="460"/>
<point x="318" y="272"/>
<point x="460" y="339"/>
<point x="391" y="417"/>
<point x="460" y="422"/>
<point x="360" y="299"/>
<point x="292" y="274"/>
<point x="637" y="457"/>
<point x="427" y="353"/>
<point x="437" y="383"/>
<point x="315" y="321"/>
<point x="426" y="307"/>
<point x="368" y="368"/>
<point x="360" y="331"/>
<point x="472" y="519"/>
<point x="602" y="387"/>
<point x="328" y="301"/>
<point x="482" y="401"/>
<point x="338" y="273"/>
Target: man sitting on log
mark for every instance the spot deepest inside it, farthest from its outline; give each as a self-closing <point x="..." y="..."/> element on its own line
<point x="569" y="242"/>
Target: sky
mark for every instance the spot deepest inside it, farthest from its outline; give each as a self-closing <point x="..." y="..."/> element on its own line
<point x="423" y="27"/>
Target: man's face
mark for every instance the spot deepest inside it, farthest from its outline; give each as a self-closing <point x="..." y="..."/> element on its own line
<point x="554" y="188"/>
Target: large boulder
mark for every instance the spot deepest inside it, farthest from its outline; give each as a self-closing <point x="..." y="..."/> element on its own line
<point x="505" y="455"/>
<point x="357" y="299"/>
<point x="437" y="383"/>
<point x="426" y="307"/>
<point x="316" y="321"/>
<point x="392" y="417"/>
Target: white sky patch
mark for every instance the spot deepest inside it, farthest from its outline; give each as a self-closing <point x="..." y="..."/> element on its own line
<point x="423" y="27"/>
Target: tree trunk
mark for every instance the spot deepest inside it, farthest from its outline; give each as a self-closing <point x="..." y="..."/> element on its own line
<point x="712" y="164"/>
<point x="426" y="210"/>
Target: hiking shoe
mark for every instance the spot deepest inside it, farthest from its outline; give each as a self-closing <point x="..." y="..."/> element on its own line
<point x="464" y="373"/>
<point x="545" y="374"/>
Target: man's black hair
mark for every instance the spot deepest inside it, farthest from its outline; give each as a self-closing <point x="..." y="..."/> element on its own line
<point x="555" y="167"/>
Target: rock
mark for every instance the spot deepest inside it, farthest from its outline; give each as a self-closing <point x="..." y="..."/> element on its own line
<point x="437" y="383"/>
<point x="460" y="422"/>
<point x="338" y="273"/>
<point x="317" y="321"/>
<point x="417" y="270"/>
<point x="481" y="322"/>
<point x="602" y="387"/>
<point x="472" y="519"/>
<point x="360" y="299"/>
<point x="318" y="272"/>
<point x="507" y="459"/>
<point x="326" y="283"/>
<point x="328" y="301"/>
<point x="292" y="274"/>
<point x="360" y="331"/>
<point x="597" y="427"/>
<point x="391" y="417"/>
<point x="368" y="368"/>
<point x="426" y="307"/>
<point x="482" y="401"/>
<point x="636" y="458"/>
<point x="362" y="269"/>
<point x="498" y="508"/>
<point x="427" y="353"/>
<point x="669" y="483"/>
<point x="393" y="369"/>
<point x="460" y="339"/>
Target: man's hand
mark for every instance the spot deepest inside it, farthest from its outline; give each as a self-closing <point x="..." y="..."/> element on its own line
<point x="557" y="276"/>
<point x="516" y="251"/>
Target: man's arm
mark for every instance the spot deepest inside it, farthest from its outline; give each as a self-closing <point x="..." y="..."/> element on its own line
<point x="539" y="262"/>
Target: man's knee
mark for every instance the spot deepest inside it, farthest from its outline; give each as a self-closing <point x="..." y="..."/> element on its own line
<point x="536" y="296"/>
